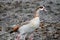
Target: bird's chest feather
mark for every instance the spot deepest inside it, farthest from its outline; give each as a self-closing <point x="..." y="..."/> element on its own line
<point x="35" y="22"/>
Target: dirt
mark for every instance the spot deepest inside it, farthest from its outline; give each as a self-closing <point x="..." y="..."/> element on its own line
<point x="18" y="11"/>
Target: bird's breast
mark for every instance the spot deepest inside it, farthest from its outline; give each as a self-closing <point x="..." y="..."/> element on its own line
<point x="35" y="22"/>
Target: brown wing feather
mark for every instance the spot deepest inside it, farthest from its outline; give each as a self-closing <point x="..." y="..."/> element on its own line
<point x="16" y="28"/>
<point x="24" y="23"/>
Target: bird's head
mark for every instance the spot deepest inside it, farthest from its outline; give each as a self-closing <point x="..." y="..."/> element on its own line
<point x="40" y="10"/>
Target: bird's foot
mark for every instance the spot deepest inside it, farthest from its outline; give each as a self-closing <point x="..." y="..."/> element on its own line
<point x="18" y="37"/>
<point x="31" y="37"/>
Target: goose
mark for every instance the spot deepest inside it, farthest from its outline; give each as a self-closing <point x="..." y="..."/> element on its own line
<point x="33" y="24"/>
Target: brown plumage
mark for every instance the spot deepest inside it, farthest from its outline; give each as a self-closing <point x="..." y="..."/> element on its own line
<point x="15" y="28"/>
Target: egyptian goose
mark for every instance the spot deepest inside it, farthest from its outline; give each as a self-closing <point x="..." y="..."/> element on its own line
<point x="33" y="24"/>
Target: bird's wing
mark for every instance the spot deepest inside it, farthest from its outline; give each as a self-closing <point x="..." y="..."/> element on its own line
<point x="24" y="23"/>
<point x="16" y="27"/>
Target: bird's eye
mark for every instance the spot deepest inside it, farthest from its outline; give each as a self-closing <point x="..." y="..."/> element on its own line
<point x="41" y="7"/>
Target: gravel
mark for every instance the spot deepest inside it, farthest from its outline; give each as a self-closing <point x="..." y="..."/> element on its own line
<point x="18" y="11"/>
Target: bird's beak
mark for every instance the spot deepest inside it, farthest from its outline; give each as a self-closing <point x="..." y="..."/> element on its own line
<point x="45" y="9"/>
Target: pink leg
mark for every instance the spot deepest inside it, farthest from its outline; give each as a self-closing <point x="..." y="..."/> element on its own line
<point x="18" y="37"/>
<point x="31" y="37"/>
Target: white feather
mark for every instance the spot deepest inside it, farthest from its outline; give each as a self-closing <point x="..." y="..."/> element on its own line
<point x="34" y="23"/>
<point x="29" y="28"/>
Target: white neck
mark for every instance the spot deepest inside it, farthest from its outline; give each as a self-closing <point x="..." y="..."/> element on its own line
<point x="37" y="13"/>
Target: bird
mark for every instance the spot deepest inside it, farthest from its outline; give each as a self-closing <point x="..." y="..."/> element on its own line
<point x="27" y="29"/>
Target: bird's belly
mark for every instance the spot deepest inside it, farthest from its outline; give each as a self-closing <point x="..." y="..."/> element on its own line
<point x="26" y="29"/>
<point x="30" y="29"/>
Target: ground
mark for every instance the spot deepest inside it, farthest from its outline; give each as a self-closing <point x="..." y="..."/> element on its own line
<point x="18" y="11"/>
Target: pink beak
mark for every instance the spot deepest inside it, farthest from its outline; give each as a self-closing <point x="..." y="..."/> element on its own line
<point x="44" y="9"/>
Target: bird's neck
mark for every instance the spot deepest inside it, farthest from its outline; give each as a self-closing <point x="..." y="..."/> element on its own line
<point x="37" y="13"/>
<point x="35" y="22"/>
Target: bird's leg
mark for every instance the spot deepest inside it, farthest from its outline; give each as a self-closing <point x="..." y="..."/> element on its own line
<point x="23" y="36"/>
<point x="27" y="37"/>
<point x="31" y="37"/>
<point x="18" y="37"/>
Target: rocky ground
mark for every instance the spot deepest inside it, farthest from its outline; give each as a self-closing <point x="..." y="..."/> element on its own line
<point x="18" y="11"/>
